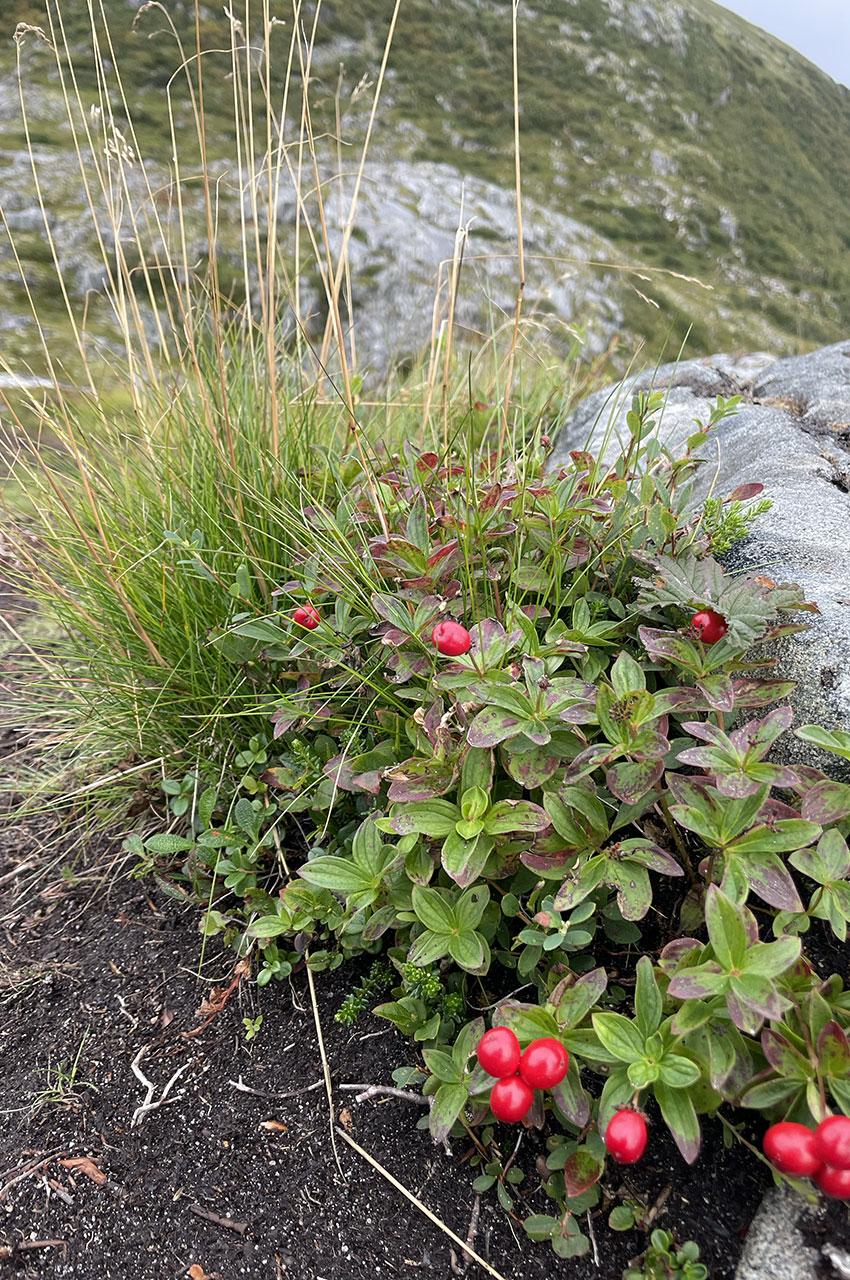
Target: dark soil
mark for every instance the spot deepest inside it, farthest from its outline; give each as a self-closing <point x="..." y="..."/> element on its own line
<point x="100" y="971"/>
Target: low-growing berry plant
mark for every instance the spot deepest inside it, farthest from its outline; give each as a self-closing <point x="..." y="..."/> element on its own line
<point x="532" y="744"/>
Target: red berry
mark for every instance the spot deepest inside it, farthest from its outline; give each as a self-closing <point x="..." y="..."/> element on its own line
<point x="832" y="1141"/>
<point x="791" y="1148"/>
<point x="307" y="617"/>
<point x="709" y="626"/>
<point x="833" y="1182"/>
<point x="451" y="638"/>
<point x="544" y="1063"/>
<point x="498" y="1052"/>
<point x="511" y="1099"/>
<point x="626" y="1136"/>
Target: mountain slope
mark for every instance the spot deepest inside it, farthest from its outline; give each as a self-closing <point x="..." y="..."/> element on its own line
<point x="677" y="136"/>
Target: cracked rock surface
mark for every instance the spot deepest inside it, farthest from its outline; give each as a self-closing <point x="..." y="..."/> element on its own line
<point x="792" y="433"/>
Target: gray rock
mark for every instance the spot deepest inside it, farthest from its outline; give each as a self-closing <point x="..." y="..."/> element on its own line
<point x="774" y="1249"/>
<point x="793" y="435"/>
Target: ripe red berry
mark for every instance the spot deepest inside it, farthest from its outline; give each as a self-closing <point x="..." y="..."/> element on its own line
<point x="833" y="1182"/>
<point x="308" y="617"/>
<point x="544" y="1063"/>
<point x="499" y="1052"/>
<point x="709" y="626"/>
<point x="626" y="1136"/>
<point x="511" y="1099"/>
<point x="791" y="1148"/>
<point x="832" y="1141"/>
<point x="451" y="638"/>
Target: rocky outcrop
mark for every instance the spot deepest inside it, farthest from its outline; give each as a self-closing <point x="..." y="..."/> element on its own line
<point x="793" y="435"/>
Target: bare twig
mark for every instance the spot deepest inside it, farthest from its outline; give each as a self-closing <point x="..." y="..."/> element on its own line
<point x="13" y="875"/>
<point x="127" y="1014"/>
<point x="263" y="1093"/>
<point x="592" y="1235"/>
<point x="25" y="1171"/>
<point x="53" y="1188"/>
<point x="229" y="1223"/>
<point x="8" y="1251"/>
<point x="414" y="1200"/>
<point x="149" y="1104"/>
<point x="385" y="1090"/>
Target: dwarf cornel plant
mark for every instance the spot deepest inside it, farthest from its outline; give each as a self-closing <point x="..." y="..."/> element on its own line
<point x="592" y="776"/>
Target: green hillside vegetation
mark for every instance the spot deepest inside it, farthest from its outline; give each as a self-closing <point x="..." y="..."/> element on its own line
<point x="687" y="138"/>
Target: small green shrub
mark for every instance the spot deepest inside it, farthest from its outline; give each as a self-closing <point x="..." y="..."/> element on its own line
<point x="527" y="812"/>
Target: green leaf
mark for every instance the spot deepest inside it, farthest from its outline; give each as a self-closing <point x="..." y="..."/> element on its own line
<point x="648" y="1007"/>
<point x="443" y="1065"/>
<point x="246" y="817"/>
<point x="770" y="959"/>
<point x="680" y="1118"/>
<point x="470" y="907"/>
<point x="261" y="629"/>
<point x="474" y="803"/>
<point x="627" y="675"/>
<point x="166" y="843"/>
<point x="827" y="802"/>
<point x="515" y="815"/>
<point x="428" y="817"/>
<point x="770" y="1093"/>
<point x="337" y="874"/>
<point x="540" y="1226"/>
<point x="621" y="1218"/>
<point x="634" y="891"/>
<point x="527" y="1021"/>
<point x="268" y="927"/>
<point x="570" y="1098"/>
<point x="464" y="860"/>
<point x="619" y="1036"/>
<point x="467" y="950"/>
<point x="206" y="806"/>
<point x="617" y="1092"/>
<point x="677" y="1071"/>
<point x="782" y="837"/>
<point x="432" y="909"/>
<point x="477" y="769"/>
<point x="642" y="1073"/>
<point x="835" y="740"/>
<point x="446" y="1106"/>
<point x="428" y="947"/>
<point x="492" y="726"/>
<point x="366" y="848"/>
<point x="577" y="1000"/>
<point x="725" y="929"/>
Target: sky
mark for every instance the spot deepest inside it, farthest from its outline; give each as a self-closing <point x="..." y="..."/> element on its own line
<point x="819" y="29"/>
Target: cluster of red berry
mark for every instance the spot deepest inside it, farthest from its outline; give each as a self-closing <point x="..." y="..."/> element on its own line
<point x="543" y="1065"/>
<point x="449" y="638"/>
<point x="822" y="1154"/>
<point x="452" y="639"/>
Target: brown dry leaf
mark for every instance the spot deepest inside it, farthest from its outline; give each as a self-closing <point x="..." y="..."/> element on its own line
<point x="764" y="581"/>
<point x="197" y="1273"/>
<point x="82" y="1164"/>
<point x="273" y="1124"/>
<point x="346" y="1119"/>
<point x="167" y="1017"/>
